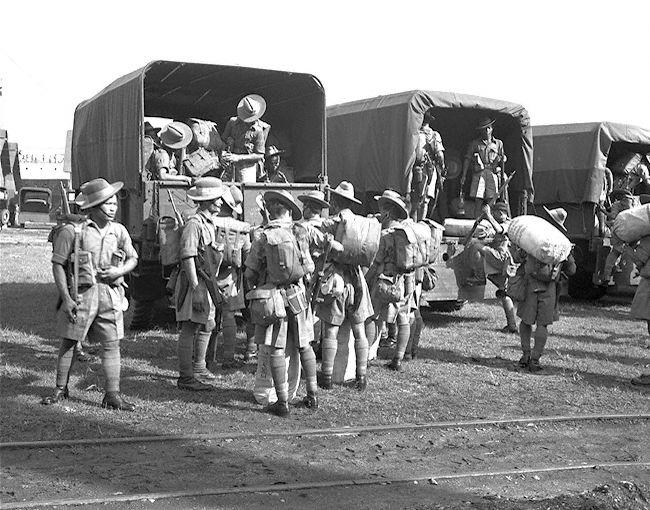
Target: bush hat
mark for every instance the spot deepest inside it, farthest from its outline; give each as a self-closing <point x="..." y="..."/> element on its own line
<point x="176" y="135"/>
<point x="236" y="194"/>
<point x="230" y="200"/>
<point x="97" y="192"/>
<point x="315" y="196"/>
<point x="485" y="122"/>
<point x="286" y="198"/>
<point x="393" y="197"/>
<point x="251" y="108"/>
<point x="558" y="215"/>
<point x="345" y="190"/>
<point x="272" y="150"/>
<point x="206" y="188"/>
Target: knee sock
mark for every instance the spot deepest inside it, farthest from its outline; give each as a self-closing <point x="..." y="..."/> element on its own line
<point x="329" y="347"/>
<point x="541" y="334"/>
<point x="417" y="324"/>
<point x="201" y="341"/>
<point x="403" y="334"/>
<point x="371" y="331"/>
<point x="185" y="349"/>
<point x="525" y="331"/>
<point x="391" y="330"/>
<point x="64" y="362"/>
<point x="279" y="374"/>
<point x="111" y="364"/>
<point x="308" y="361"/>
<point x="509" y="309"/>
<point x="229" y="329"/>
<point x="360" y="349"/>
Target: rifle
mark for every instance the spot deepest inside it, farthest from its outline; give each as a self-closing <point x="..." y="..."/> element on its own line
<point x="315" y="290"/>
<point x="492" y="201"/>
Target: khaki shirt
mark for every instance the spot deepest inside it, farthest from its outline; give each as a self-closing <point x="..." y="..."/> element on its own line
<point x="247" y="138"/>
<point x="491" y="153"/>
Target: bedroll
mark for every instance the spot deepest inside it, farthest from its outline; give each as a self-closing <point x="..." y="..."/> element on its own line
<point x="632" y="224"/>
<point x="416" y="245"/>
<point x="230" y="237"/>
<point x="539" y="238"/>
<point x="360" y="239"/>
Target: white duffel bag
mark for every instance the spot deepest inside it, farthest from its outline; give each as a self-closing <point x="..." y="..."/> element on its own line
<point x="632" y="224"/>
<point x="539" y="238"/>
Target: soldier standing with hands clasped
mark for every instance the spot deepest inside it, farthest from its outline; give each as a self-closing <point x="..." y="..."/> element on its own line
<point x="92" y="293"/>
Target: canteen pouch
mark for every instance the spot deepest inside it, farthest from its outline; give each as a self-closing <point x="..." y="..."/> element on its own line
<point x="266" y="305"/>
<point x="296" y="299"/>
<point x="429" y="279"/>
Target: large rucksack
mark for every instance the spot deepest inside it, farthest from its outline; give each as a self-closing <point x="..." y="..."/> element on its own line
<point x="287" y="254"/>
<point x="230" y="236"/>
<point x="360" y="239"/>
<point x="416" y="244"/>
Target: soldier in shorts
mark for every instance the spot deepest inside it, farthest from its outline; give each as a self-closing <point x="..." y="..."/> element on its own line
<point x="104" y="253"/>
<point x="279" y="306"/>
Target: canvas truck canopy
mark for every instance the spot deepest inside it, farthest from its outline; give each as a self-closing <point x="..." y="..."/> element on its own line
<point x="570" y="159"/>
<point x="372" y="142"/>
<point x="108" y="128"/>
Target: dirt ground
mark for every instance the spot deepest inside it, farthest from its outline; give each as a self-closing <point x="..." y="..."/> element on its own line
<point x="467" y="369"/>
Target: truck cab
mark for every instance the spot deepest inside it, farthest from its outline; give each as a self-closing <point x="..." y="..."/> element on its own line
<point x="108" y="140"/>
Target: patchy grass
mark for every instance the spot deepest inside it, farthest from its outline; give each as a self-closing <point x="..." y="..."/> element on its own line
<point x="466" y="369"/>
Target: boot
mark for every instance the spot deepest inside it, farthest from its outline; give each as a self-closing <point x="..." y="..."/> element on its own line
<point x="534" y="366"/>
<point x="191" y="384"/>
<point x="361" y="383"/>
<point x="310" y="401"/>
<point x="205" y="376"/>
<point x="58" y="395"/>
<point x="280" y="408"/>
<point x="395" y="365"/>
<point x="524" y="360"/>
<point x="113" y="400"/>
<point x="325" y="381"/>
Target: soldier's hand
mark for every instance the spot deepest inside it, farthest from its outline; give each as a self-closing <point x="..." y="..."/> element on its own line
<point x="229" y="157"/>
<point x="335" y="246"/>
<point x="109" y="274"/>
<point x="69" y="307"/>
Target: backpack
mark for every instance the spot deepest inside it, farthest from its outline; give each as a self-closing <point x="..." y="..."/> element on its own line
<point x="230" y="236"/>
<point x="414" y="246"/>
<point x="199" y="163"/>
<point x="360" y="239"/>
<point x="287" y="254"/>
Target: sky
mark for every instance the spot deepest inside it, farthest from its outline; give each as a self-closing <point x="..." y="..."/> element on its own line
<point x="565" y="61"/>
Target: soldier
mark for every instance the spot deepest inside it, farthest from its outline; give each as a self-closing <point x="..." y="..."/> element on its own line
<point x="385" y="279"/>
<point x="168" y="148"/>
<point x="541" y="303"/>
<point x="272" y="166"/>
<point x="245" y="137"/>
<point x="498" y="258"/>
<point x="278" y="324"/>
<point x="346" y="294"/>
<point x="92" y="293"/>
<point x="429" y="169"/>
<point x="485" y="157"/>
<point x="195" y="293"/>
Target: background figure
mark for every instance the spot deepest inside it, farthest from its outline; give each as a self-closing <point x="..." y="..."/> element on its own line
<point x="429" y="172"/>
<point x="165" y="163"/>
<point x="273" y="167"/>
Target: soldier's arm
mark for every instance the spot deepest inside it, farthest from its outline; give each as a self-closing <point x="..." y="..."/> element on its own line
<point x="61" y="251"/>
<point x="466" y="164"/>
<point x="189" y="251"/>
<point x="254" y="262"/>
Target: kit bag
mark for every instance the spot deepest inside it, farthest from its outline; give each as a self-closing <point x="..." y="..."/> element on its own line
<point x="199" y="163"/>
<point x="539" y="238"/>
<point x="632" y="224"/>
<point x="287" y="257"/>
<point x="230" y="237"/>
<point x="360" y="239"/>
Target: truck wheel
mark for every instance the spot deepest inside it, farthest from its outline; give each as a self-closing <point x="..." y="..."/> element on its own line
<point x="4" y="218"/>
<point x="581" y="286"/>
<point x="451" y="305"/>
<point x="142" y="315"/>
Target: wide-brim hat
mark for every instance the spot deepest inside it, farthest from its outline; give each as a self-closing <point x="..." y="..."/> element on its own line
<point x="272" y="150"/>
<point x="619" y="193"/>
<point x="148" y="128"/>
<point x="229" y="199"/>
<point x="251" y="108"/>
<point x="393" y="198"/>
<point x="236" y="194"/>
<point x="501" y="206"/>
<point x="176" y="135"/>
<point x="484" y="122"/>
<point x="558" y="215"/>
<point x="315" y="196"/>
<point x="345" y="190"/>
<point x="286" y="198"/>
<point x="96" y="192"/>
<point x="206" y="188"/>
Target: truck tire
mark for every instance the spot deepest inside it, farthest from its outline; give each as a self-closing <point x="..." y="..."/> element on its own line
<point x="581" y="287"/>
<point x="143" y="312"/>
<point x="451" y="305"/>
<point x="4" y="218"/>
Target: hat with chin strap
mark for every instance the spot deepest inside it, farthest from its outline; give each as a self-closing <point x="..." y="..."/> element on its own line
<point x="96" y="192"/>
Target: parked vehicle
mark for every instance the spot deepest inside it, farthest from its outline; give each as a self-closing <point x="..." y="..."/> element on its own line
<point x="372" y="143"/>
<point x="108" y="137"/>
<point x="4" y="207"/>
<point x="34" y="205"/>
<point x="570" y="162"/>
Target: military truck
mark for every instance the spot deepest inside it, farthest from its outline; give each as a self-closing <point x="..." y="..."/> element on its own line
<point x="570" y="162"/>
<point x="108" y="141"/>
<point x="372" y="143"/>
